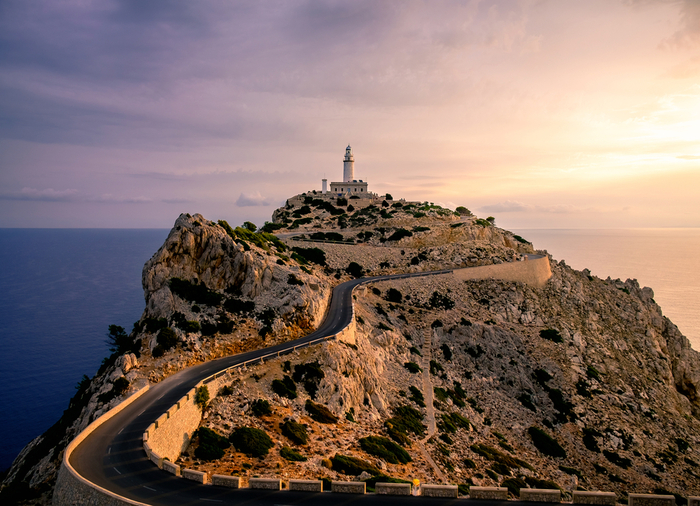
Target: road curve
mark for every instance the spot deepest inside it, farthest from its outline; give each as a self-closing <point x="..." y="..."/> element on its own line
<point x="112" y="456"/>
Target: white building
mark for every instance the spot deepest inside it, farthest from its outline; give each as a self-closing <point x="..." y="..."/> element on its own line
<point x="349" y="185"/>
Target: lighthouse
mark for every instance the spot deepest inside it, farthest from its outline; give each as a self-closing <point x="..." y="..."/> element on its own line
<point x="349" y="186"/>
<point x="348" y="166"/>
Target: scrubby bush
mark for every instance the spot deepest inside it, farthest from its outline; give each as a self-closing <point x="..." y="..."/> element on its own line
<point x="446" y="352"/>
<point x="296" y="432"/>
<point x="412" y="367"/>
<point x="292" y="455"/>
<point x="236" y="305"/>
<point x="551" y="335"/>
<point x="393" y="295"/>
<point x="385" y="449"/>
<point x="293" y="280"/>
<point x="435" y="368"/>
<point x="285" y="387"/>
<point x="261" y="407"/>
<point x="313" y="255"/>
<point x="417" y="396"/>
<point x="406" y="419"/>
<point x="310" y="375"/>
<point x="251" y="441"/>
<point x="167" y="338"/>
<point x="211" y="444"/>
<point x="352" y="465"/>
<point x="496" y="455"/>
<point x="194" y="292"/>
<point x="545" y="443"/>
<point x="354" y="269"/>
<point x="120" y="385"/>
<point x="399" y="234"/>
<point x="463" y="211"/>
<point x="201" y="396"/>
<point x="319" y="412"/>
<point x="514" y="485"/>
<point x="439" y="301"/>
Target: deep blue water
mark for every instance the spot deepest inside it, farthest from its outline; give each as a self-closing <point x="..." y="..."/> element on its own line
<point x="59" y="291"/>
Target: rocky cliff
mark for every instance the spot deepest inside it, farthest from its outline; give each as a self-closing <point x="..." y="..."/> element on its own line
<point x="582" y="383"/>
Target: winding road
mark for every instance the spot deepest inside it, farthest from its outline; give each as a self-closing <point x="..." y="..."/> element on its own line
<point x="112" y="456"/>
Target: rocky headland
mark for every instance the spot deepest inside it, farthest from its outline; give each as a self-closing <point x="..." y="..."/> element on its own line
<point x="582" y="383"/>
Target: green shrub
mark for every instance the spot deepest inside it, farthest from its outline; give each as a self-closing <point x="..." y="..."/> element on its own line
<point x="435" y="368"/>
<point x="313" y="255"/>
<point x="417" y="396"/>
<point x="446" y="352"/>
<point x="393" y="295"/>
<point x="412" y="367"/>
<point x="355" y="270"/>
<point x="463" y="211"/>
<point x="118" y="340"/>
<point x="211" y="437"/>
<point x="496" y="455"/>
<point x="526" y="400"/>
<point x="514" y="485"/>
<point x="167" y="338"/>
<point x="158" y="351"/>
<point x="194" y="292"/>
<point x="593" y="373"/>
<point x="415" y="351"/>
<point x="399" y="234"/>
<point x="190" y="326"/>
<point x="201" y="396"/>
<point x="385" y="449"/>
<point x="319" y="412"/>
<point x="451" y="422"/>
<point x="208" y="452"/>
<point x="261" y="407"/>
<point x="310" y="375"/>
<point x="120" y="385"/>
<point x="251" y="441"/>
<point x="236" y="305"/>
<point x="293" y="280"/>
<point x="406" y="419"/>
<point x="552" y="335"/>
<point x="296" y="432"/>
<point x="284" y="387"/>
<point x="352" y="465"/>
<point x="292" y="455"/>
<point x="439" y="301"/>
<point x="545" y="443"/>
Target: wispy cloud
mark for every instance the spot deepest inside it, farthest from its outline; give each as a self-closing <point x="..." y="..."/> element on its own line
<point x="513" y="206"/>
<point x="45" y="195"/>
<point x="252" y="199"/>
<point x="689" y="157"/>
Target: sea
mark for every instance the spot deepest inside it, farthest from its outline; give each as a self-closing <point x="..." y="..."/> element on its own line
<point x="60" y="289"/>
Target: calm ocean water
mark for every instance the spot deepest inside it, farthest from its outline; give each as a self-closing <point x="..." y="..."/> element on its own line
<point x="60" y="289"/>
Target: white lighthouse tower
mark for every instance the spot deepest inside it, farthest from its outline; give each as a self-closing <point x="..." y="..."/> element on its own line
<point x="348" y="166"/>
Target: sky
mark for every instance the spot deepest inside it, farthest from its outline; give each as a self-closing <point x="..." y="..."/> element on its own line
<point x="543" y="114"/>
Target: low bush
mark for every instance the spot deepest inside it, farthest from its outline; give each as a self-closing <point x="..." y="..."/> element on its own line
<point x="406" y="419"/>
<point x="435" y="367"/>
<point x="355" y="270"/>
<point x="292" y="455"/>
<point x="236" y="305"/>
<point x="167" y="338"/>
<point x="197" y="292"/>
<point x="446" y="352"/>
<point x="385" y="449"/>
<point x="452" y="422"/>
<point x="514" y="485"/>
<point x="296" y="432"/>
<point x="399" y="234"/>
<point x="310" y="375"/>
<point x="439" y="301"/>
<point x="616" y="459"/>
<point x="284" y="387"/>
<point x="551" y="335"/>
<point x="496" y="455"/>
<point x="294" y="281"/>
<point x="417" y="396"/>
<point x="545" y="443"/>
<point x="313" y="255"/>
<point x="393" y="295"/>
<point x="251" y="441"/>
<point x="320" y="413"/>
<point x="261" y="407"/>
<point x="352" y="465"/>
<point x="201" y="396"/>
<point x="412" y="367"/>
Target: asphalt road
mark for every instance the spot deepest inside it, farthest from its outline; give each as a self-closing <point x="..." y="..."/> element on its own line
<point x="113" y="456"/>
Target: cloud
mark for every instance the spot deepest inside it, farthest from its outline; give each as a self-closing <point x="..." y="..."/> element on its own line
<point x="109" y="198"/>
<point x="46" y="195"/>
<point x="513" y="206"/>
<point x="689" y="157"/>
<point x="252" y="199"/>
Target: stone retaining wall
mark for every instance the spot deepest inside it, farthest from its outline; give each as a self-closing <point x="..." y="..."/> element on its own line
<point x="598" y="498"/>
<point x="651" y="500"/>
<point x="392" y="488"/>
<point x="439" y="491"/>
<point x="534" y="272"/>
<point x="348" y="487"/>
<point x="540" y="495"/>
<point x="305" y="486"/>
<point x="489" y="493"/>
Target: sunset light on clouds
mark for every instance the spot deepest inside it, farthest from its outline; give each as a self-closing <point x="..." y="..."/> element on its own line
<point x="544" y="114"/>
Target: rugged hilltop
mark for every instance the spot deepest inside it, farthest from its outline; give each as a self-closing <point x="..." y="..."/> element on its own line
<point x="581" y="383"/>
